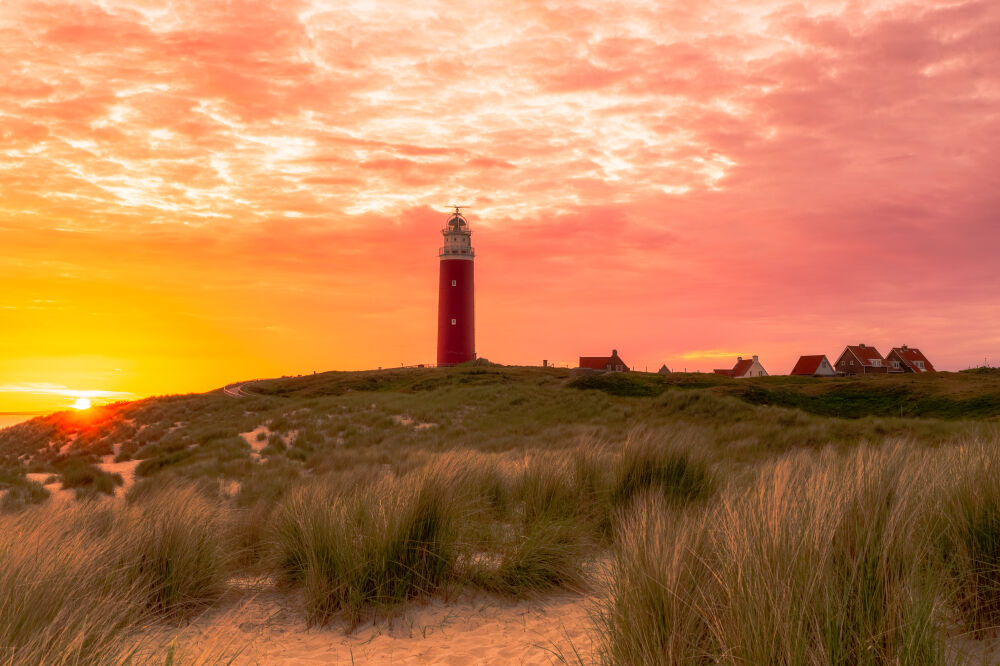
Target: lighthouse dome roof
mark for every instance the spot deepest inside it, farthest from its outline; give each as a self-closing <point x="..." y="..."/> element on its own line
<point x="457" y="222"/>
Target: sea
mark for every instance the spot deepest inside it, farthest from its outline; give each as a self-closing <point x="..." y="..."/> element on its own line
<point x="9" y="418"/>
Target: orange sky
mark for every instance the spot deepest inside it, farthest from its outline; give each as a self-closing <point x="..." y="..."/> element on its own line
<point x="198" y="191"/>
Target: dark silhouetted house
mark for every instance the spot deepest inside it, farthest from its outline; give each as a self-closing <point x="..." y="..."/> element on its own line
<point x="861" y="360"/>
<point x="664" y="370"/>
<point x="908" y="359"/>
<point x="744" y="368"/>
<point x="813" y="366"/>
<point x="611" y="363"/>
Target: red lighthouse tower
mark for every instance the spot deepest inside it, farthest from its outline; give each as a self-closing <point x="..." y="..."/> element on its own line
<point x="456" y="312"/>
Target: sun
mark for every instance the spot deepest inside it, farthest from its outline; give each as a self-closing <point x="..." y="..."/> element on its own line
<point x="81" y="403"/>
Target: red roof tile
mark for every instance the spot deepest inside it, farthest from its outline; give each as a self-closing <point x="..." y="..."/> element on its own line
<point x="594" y="362"/>
<point x="865" y="354"/>
<point x="742" y="367"/>
<point x="910" y="356"/>
<point x="808" y="365"/>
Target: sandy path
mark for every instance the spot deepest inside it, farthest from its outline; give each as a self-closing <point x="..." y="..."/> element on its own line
<point x="479" y="629"/>
<point x="126" y="469"/>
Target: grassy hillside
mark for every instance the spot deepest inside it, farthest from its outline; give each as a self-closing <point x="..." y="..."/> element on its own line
<point x="942" y="395"/>
<point x="400" y="418"/>
<point x="793" y="520"/>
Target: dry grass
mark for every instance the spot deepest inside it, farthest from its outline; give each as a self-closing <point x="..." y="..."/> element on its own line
<point x="78" y="584"/>
<point x="864" y="558"/>
<point x="733" y="533"/>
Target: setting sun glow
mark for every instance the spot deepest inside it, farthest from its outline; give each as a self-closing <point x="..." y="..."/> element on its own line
<point x="81" y="403"/>
<point x="264" y="196"/>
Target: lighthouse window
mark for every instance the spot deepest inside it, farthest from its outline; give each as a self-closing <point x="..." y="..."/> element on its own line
<point x="454" y="283"/>
<point x="454" y="321"/>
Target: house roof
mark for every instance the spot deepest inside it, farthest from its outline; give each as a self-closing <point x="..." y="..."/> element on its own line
<point x="741" y="367"/>
<point x="909" y="355"/>
<point x="865" y="354"/>
<point x="808" y="365"/>
<point x="664" y="369"/>
<point x="594" y="362"/>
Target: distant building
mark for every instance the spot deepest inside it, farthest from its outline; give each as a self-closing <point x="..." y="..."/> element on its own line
<point x="861" y="359"/>
<point x="664" y="370"/>
<point x="744" y="368"/>
<point x="814" y="366"/>
<point x="908" y="359"/>
<point x="611" y="363"/>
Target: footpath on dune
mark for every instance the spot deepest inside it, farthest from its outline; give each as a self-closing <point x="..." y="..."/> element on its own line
<point x="474" y="629"/>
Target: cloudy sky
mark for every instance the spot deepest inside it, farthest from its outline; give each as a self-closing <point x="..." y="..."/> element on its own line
<point x="198" y="191"/>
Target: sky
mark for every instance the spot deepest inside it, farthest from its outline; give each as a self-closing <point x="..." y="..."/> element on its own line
<point x="194" y="192"/>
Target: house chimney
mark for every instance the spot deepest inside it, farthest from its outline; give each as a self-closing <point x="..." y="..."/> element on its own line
<point x="545" y="363"/>
<point x="739" y="358"/>
<point x="861" y="345"/>
<point x="614" y="352"/>
<point x="755" y="358"/>
<point x="904" y="347"/>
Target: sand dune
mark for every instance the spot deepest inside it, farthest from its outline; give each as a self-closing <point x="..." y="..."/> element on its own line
<point x="475" y="629"/>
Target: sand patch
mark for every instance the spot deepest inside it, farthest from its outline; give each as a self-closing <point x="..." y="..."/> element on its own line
<point x="126" y="469"/>
<point x="58" y="494"/>
<point x="256" y="445"/>
<point x="477" y="629"/>
<point x="404" y="420"/>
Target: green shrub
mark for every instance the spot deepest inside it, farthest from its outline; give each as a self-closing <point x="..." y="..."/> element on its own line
<point x="661" y="461"/>
<point x="21" y="496"/>
<point x="174" y="552"/>
<point x="549" y="555"/>
<point x="814" y="562"/>
<point x="370" y="545"/>
<point x="970" y="540"/>
<point x="87" y="478"/>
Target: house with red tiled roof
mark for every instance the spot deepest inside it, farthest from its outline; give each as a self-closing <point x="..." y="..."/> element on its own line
<point x="861" y="359"/>
<point x="908" y="359"/>
<point x="612" y="363"/>
<point x="814" y="366"/>
<point x="744" y="368"/>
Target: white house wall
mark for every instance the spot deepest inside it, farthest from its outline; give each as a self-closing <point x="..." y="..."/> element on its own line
<point x="824" y="369"/>
<point x="755" y="370"/>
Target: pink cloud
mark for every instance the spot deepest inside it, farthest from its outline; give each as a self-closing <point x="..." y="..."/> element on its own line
<point x="782" y="177"/>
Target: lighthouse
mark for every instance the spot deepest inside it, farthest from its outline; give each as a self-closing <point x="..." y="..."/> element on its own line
<point x="456" y="312"/>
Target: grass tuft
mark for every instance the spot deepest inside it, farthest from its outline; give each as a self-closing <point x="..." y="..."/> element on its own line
<point x="662" y="462"/>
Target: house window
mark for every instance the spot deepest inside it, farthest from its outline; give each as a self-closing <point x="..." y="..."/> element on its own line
<point x="895" y="364"/>
<point x="852" y="362"/>
<point x="454" y="321"/>
<point x="454" y="283"/>
<point x="920" y="364"/>
<point x="876" y="363"/>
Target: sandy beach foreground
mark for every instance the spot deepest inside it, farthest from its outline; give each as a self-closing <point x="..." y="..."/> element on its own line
<point x="474" y="629"/>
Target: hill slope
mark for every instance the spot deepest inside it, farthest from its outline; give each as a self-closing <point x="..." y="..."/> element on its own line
<point x="337" y="420"/>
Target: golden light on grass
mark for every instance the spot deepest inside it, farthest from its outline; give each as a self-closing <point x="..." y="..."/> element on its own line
<point x="81" y="403"/>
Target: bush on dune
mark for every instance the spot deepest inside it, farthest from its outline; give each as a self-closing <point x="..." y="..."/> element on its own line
<point x="815" y="562"/>
<point x="78" y="585"/>
<point x="970" y="535"/>
<point x="87" y="479"/>
<point x="663" y="461"/>
<point x="175" y="550"/>
<point x="372" y="545"/>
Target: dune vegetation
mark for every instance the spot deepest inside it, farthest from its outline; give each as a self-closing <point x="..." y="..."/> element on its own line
<point x="708" y="525"/>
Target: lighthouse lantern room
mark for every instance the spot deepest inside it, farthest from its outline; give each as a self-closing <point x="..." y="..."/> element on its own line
<point x="456" y="312"/>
